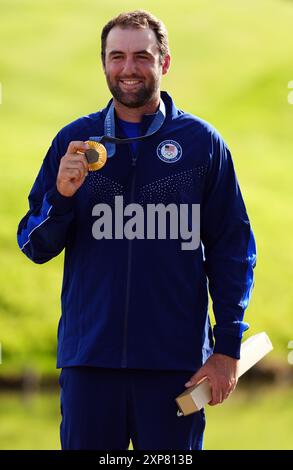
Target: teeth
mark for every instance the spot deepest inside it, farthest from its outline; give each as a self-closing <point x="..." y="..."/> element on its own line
<point x="130" y="82"/>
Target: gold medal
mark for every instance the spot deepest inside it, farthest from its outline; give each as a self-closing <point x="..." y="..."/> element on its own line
<point x="96" y="155"/>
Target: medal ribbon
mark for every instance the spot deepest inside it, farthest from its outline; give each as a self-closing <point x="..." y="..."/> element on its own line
<point x="109" y="139"/>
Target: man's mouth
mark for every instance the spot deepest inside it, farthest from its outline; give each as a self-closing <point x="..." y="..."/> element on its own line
<point x="129" y="84"/>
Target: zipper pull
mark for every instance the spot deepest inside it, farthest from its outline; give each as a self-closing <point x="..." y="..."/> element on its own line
<point x="134" y="160"/>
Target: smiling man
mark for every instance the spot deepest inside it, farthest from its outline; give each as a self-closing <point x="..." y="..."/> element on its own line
<point x="133" y="69"/>
<point x="135" y="327"/>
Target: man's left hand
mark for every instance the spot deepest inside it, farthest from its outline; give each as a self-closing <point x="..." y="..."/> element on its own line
<point x="222" y="373"/>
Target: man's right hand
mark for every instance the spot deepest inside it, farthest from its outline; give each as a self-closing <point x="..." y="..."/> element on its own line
<point x="73" y="169"/>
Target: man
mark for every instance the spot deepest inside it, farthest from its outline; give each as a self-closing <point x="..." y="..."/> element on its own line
<point x="135" y="327"/>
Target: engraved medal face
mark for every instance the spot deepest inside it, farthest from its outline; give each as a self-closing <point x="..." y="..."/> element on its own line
<point x="96" y="155"/>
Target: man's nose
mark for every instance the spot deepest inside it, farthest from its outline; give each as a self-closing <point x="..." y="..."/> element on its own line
<point x="129" y="67"/>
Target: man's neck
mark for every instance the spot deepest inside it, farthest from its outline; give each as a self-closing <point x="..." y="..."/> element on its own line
<point x="136" y="114"/>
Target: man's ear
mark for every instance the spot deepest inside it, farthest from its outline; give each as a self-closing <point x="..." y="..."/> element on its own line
<point x="166" y="64"/>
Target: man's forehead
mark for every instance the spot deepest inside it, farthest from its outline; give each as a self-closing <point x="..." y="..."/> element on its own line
<point x="131" y="40"/>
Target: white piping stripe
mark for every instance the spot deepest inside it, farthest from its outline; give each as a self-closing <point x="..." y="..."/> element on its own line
<point x="37" y="226"/>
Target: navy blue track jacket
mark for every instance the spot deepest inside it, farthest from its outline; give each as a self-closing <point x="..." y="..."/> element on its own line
<point x="143" y="303"/>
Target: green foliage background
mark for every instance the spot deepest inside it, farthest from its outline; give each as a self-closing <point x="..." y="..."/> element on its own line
<point x="231" y="64"/>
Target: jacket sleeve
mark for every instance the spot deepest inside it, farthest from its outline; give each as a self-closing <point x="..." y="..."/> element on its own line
<point x="42" y="233"/>
<point x="229" y="249"/>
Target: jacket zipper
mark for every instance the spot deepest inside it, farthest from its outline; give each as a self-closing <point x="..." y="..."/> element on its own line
<point x="129" y="262"/>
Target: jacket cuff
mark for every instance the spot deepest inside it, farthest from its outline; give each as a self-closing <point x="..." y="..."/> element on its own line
<point x="61" y="204"/>
<point x="228" y="345"/>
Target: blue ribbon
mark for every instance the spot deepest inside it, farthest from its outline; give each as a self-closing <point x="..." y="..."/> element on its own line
<point x="109" y="139"/>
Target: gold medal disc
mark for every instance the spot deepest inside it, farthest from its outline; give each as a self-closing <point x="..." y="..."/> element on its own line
<point x="96" y="162"/>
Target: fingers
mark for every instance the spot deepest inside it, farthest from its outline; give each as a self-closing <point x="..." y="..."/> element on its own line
<point x="196" y="378"/>
<point x="190" y="383"/>
<point x="73" y="168"/>
<point x="217" y="395"/>
<point x="77" y="145"/>
<point x="77" y="163"/>
<point x="75" y="153"/>
<point x="75" y="158"/>
<point x="222" y="379"/>
<point x="221" y="391"/>
<point x="75" y="173"/>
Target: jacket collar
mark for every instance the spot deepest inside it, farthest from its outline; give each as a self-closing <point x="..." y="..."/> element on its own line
<point x="171" y="111"/>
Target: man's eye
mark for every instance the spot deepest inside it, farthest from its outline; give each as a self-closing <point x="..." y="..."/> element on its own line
<point x="116" y="57"/>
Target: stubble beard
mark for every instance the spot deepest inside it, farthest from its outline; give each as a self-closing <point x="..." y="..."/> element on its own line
<point x="134" y="99"/>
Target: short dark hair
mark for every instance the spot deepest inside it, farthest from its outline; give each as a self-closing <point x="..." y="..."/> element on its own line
<point x="138" y="19"/>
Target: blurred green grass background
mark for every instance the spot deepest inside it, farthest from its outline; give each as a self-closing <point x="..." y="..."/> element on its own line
<point x="250" y="419"/>
<point x="231" y="64"/>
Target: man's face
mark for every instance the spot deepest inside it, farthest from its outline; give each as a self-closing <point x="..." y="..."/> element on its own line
<point x="132" y="65"/>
